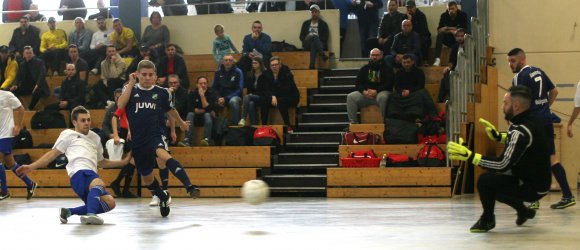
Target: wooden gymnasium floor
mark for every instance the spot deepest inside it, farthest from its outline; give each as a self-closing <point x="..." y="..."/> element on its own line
<point x="287" y="223"/>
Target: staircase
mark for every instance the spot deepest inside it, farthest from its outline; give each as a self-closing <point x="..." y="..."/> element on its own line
<point x="299" y="170"/>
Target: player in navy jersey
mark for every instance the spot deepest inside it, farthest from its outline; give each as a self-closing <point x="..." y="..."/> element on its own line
<point x="146" y="105"/>
<point x="543" y="95"/>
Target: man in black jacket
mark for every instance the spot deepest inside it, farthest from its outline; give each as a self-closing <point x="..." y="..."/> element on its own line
<point x="25" y="35"/>
<point x="419" y="20"/>
<point x="521" y="173"/>
<point x="72" y="91"/>
<point x="374" y="84"/>
<point x="172" y="63"/>
<point x="449" y="22"/>
<point x="314" y="35"/>
<point x="31" y="78"/>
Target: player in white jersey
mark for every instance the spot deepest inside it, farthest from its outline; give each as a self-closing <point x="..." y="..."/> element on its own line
<point x="10" y="127"/>
<point x="84" y="152"/>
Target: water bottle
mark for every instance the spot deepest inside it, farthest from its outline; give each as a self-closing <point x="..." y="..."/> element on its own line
<point x="383" y="164"/>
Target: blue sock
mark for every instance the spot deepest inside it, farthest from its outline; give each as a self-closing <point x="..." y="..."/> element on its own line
<point x="25" y="178"/>
<point x="82" y="210"/>
<point x="560" y="175"/>
<point x="164" y="175"/>
<point x="3" y="184"/>
<point x="94" y="198"/>
<point x="175" y="167"/>
<point x="156" y="190"/>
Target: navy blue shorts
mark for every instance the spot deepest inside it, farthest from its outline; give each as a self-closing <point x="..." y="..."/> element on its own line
<point x="549" y="130"/>
<point x="6" y="146"/>
<point x="144" y="156"/>
<point x="81" y="181"/>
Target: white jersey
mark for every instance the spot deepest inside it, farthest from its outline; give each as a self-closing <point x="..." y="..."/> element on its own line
<point x="577" y="96"/>
<point x="82" y="151"/>
<point x="8" y="103"/>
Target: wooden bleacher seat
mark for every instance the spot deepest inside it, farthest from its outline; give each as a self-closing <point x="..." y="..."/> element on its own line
<point x="300" y="60"/>
<point x="371" y="114"/>
<point x="378" y="128"/>
<point x="204" y="62"/>
<point x="388" y="182"/>
<point x="307" y="78"/>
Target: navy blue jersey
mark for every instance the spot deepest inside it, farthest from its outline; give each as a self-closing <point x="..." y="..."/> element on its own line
<point x="146" y="111"/>
<point x="540" y="86"/>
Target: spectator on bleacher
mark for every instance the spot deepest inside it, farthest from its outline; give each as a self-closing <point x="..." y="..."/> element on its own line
<point x="81" y="37"/>
<point x="103" y="11"/>
<point x="156" y="35"/>
<point x="307" y="4"/>
<point x="406" y="42"/>
<point x="31" y="78"/>
<point x="419" y="20"/>
<point x="170" y="10"/>
<point x="228" y="83"/>
<point x="445" y="86"/>
<point x="374" y="83"/>
<point x="449" y="22"/>
<point x="258" y="94"/>
<point x="13" y="5"/>
<point x="172" y="63"/>
<point x="25" y="35"/>
<point x="52" y="45"/>
<point x="314" y="35"/>
<point x="266" y="7"/>
<point x="367" y="13"/>
<point x="71" y="14"/>
<point x="8" y="68"/>
<point x="204" y="9"/>
<point x="81" y="66"/>
<point x="284" y="92"/>
<point x="124" y="39"/>
<point x="222" y="44"/>
<point x="410" y="100"/>
<point x="389" y="27"/>
<point x="144" y="54"/>
<point x="11" y="128"/>
<point x="257" y="43"/>
<point x="72" y="91"/>
<point x="202" y="103"/>
<point x="35" y="16"/>
<point x="112" y="77"/>
<point x="101" y="39"/>
<point x="179" y="95"/>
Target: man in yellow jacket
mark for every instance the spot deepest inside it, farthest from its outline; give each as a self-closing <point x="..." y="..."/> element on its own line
<point x="52" y="47"/>
<point x="8" y="68"/>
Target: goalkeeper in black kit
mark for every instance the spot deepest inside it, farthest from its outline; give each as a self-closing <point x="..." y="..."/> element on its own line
<point x="522" y="171"/>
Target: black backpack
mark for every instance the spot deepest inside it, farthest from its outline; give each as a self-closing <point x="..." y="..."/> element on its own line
<point x="58" y="163"/>
<point x="22" y="140"/>
<point x="283" y="46"/>
<point x="47" y="119"/>
<point x="243" y="136"/>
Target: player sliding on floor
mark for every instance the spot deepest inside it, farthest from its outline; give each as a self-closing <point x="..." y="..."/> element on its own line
<point x="84" y="151"/>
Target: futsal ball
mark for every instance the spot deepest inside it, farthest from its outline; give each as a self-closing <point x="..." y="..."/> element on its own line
<point x="255" y="191"/>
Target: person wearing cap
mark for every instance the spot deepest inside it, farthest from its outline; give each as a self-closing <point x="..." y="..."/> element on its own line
<point x="145" y="53"/>
<point x="72" y="91"/>
<point x="367" y="13"/>
<point x="449" y="22"/>
<point x="419" y="21"/>
<point x="314" y="35"/>
<point x="8" y="68"/>
<point x="124" y="39"/>
<point x="35" y="16"/>
<point x="52" y="45"/>
<point x="72" y="14"/>
<point x="81" y="37"/>
<point x="156" y="35"/>
<point x="390" y="26"/>
<point x="81" y="66"/>
<point x="25" y="35"/>
<point x="99" y="42"/>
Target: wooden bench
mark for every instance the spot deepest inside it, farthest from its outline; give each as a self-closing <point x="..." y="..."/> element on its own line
<point x="301" y="60"/>
<point x="199" y="134"/>
<point x="377" y="128"/>
<point x="388" y="182"/>
<point x="218" y="171"/>
<point x="203" y="62"/>
<point x="371" y="114"/>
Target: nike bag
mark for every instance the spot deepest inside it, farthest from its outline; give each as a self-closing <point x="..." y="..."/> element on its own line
<point x="22" y="140"/>
<point x="430" y="155"/>
<point x="360" y="138"/>
<point x="265" y="136"/>
<point x="361" y="159"/>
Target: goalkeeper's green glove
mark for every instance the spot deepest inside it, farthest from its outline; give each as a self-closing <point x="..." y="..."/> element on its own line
<point x="492" y="132"/>
<point x="459" y="152"/>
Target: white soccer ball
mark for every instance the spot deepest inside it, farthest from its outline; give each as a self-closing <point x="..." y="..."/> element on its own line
<point x="255" y="191"/>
